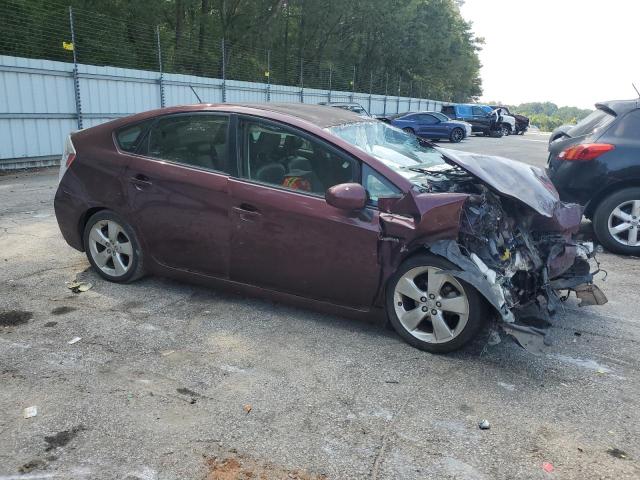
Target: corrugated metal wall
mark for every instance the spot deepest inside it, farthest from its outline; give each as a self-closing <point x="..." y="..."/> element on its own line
<point x="38" y="105"/>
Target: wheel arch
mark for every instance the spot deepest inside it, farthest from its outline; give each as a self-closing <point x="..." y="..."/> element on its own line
<point x="605" y="192"/>
<point x="84" y="218"/>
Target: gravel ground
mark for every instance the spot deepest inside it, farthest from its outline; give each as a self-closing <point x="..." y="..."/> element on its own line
<point x="172" y="381"/>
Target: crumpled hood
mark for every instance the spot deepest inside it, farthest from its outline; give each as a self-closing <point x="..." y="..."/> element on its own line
<point x="526" y="183"/>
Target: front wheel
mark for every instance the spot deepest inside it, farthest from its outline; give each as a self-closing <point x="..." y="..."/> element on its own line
<point x="430" y="309"/>
<point x="616" y="221"/>
<point x="112" y="247"/>
<point x="408" y="130"/>
<point x="506" y="130"/>
<point x="456" y="135"/>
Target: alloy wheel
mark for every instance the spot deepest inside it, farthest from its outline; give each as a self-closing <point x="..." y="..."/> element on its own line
<point x="431" y="305"/>
<point x="457" y="135"/>
<point x="624" y="221"/>
<point x="110" y="248"/>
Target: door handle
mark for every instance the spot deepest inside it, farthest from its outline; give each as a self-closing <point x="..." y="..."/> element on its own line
<point x="140" y="181"/>
<point x="247" y="212"/>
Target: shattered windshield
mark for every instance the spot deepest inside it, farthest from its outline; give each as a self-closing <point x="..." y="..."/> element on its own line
<point x="400" y="151"/>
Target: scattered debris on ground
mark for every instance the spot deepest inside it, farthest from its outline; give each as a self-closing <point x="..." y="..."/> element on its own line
<point x="61" y="439"/>
<point x="247" y="408"/>
<point x="242" y="468"/>
<point x="50" y="324"/>
<point x="484" y="424"/>
<point x="617" y="453"/>
<point x="74" y="340"/>
<point x="78" y="287"/>
<point x="11" y="318"/>
<point x="35" y="464"/>
<point x="30" y="412"/>
<point x="547" y="467"/>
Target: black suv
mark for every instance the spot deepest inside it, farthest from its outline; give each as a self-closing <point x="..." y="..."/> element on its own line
<point x="597" y="163"/>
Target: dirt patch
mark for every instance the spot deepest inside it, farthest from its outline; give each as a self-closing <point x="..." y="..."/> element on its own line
<point x="11" y="318"/>
<point x="36" y="464"/>
<point x="62" y="310"/>
<point x="50" y="324"/>
<point x="187" y="391"/>
<point x="60" y="439"/>
<point x="242" y="468"/>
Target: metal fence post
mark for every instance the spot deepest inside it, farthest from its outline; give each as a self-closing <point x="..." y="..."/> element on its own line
<point x="398" y="97"/>
<point x="386" y="85"/>
<point x="76" y="80"/>
<point x="353" y="83"/>
<point x="370" y="91"/>
<point x="161" y="79"/>
<point x="420" y="98"/>
<point x="329" y="93"/>
<point x="268" y="75"/>
<point x="224" y="73"/>
<point x="301" y="81"/>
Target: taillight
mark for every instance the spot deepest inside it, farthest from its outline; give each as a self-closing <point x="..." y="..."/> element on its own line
<point x="585" y="151"/>
<point x="68" y="156"/>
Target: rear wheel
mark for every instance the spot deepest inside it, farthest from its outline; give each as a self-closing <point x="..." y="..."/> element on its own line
<point x="430" y="309"/>
<point x="112" y="247"/>
<point x="616" y="221"/>
<point x="457" y="134"/>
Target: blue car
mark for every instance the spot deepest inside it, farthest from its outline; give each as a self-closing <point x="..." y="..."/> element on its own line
<point x="432" y="125"/>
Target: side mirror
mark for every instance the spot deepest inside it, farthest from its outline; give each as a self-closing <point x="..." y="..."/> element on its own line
<point x="347" y="196"/>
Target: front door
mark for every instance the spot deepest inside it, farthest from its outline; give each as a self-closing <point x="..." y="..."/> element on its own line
<point x="285" y="236"/>
<point x="178" y="192"/>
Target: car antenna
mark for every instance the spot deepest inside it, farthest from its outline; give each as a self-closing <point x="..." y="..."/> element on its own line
<point x="195" y="93"/>
<point x="634" y="87"/>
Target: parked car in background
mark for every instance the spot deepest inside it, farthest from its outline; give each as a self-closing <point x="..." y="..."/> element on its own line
<point x="482" y="118"/>
<point x="320" y="207"/>
<point x="432" y="125"/>
<point x="391" y="116"/>
<point x="521" y="124"/>
<point x="351" y="106"/>
<point x="597" y="163"/>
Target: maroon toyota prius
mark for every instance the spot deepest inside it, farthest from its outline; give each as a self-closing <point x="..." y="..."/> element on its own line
<point x="321" y="207"/>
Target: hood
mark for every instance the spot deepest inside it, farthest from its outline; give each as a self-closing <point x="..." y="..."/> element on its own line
<point x="528" y="184"/>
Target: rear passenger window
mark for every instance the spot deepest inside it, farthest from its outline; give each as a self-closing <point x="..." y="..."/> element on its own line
<point x="129" y="138"/>
<point x="279" y="156"/>
<point x="195" y="140"/>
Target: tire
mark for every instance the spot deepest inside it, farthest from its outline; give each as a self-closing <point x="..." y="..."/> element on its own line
<point x="456" y="136"/>
<point x="409" y="130"/>
<point x="505" y="129"/>
<point x="454" y="329"/>
<point x="496" y="133"/>
<point x="112" y="247"/>
<point x="627" y="203"/>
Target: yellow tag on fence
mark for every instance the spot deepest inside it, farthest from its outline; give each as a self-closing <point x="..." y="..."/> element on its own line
<point x="67" y="45"/>
<point x="266" y="74"/>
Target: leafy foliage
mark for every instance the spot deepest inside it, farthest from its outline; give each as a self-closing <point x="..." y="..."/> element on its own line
<point x="412" y="47"/>
<point x="547" y="115"/>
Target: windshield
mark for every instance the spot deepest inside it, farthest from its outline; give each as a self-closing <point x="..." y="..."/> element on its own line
<point x="400" y="151"/>
<point x="591" y="123"/>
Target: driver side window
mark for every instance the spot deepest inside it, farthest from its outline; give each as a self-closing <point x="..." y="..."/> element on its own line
<point x="282" y="157"/>
<point x="478" y="112"/>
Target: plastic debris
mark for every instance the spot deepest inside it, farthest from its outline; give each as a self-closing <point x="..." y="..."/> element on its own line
<point x="547" y="467"/>
<point x="484" y="424"/>
<point x="167" y="353"/>
<point x="78" y="287"/>
<point x="30" y="412"/>
<point x="74" y="340"/>
<point x="247" y="408"/>
<point x="617" y="453"/>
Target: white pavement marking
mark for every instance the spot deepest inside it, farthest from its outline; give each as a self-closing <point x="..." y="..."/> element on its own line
<point x="532" y="140"/>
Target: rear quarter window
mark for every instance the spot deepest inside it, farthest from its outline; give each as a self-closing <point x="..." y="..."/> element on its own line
<point x="627" y="128"/>
<point x="128" y="138"/>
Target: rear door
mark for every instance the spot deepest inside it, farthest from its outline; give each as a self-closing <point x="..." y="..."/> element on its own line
<point x="285" y="236"/>
<point x="178" y="192"/>
<point x="430" y="126"/>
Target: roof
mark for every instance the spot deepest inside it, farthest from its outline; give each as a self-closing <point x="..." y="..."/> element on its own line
<point x="320" y="115"/>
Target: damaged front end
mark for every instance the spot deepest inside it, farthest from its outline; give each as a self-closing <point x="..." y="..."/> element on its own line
<point x="506" y="231"/>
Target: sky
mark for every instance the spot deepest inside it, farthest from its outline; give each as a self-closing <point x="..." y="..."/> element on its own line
<point x="569" y="52"/>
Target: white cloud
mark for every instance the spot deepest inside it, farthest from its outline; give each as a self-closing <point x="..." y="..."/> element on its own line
<point x="570" y="52"/>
